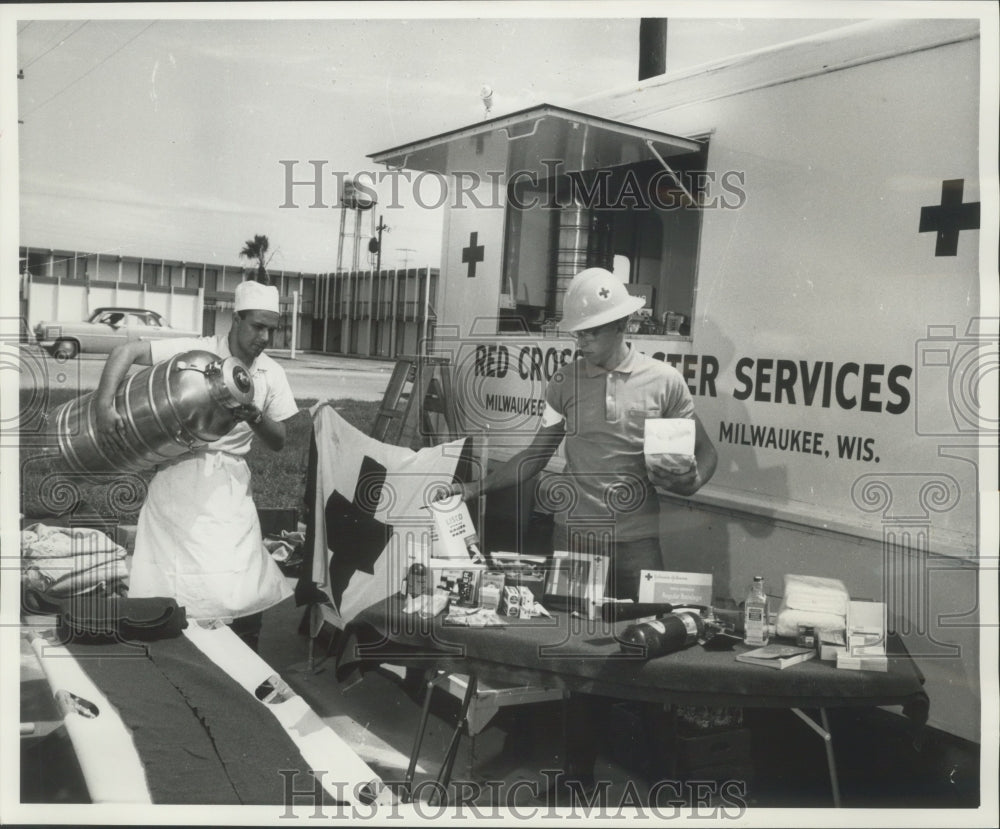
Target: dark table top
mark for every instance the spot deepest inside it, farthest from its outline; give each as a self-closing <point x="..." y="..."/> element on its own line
<point x="585" y="656"/>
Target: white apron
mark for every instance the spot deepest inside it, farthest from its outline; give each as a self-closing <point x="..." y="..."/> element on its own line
<point x="199" y="541"/>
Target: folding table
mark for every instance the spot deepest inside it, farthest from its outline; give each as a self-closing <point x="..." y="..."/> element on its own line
<point x="574" y="654"/>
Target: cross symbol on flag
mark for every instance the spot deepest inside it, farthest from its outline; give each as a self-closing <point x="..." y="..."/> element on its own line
<point x="604" y="293"/>
<point x="648" y="577"/>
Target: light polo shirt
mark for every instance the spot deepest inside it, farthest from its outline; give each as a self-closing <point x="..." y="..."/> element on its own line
<point x="271" y="392"/>
<point x="605" y="414"/>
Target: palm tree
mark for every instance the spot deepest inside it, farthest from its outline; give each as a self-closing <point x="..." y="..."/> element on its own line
<point x="256" y="249"/>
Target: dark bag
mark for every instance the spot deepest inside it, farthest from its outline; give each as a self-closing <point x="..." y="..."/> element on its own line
<point x="100" y="619"/>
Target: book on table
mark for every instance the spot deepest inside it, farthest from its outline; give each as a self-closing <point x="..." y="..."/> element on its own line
<point x="776" y="656"/>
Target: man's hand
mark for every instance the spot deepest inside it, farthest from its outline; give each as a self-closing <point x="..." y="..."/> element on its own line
<point x="458" y="488"/>
<point x="684" y="483"/>
<point x="110" y="425"/>
<point x="249" y="413"/>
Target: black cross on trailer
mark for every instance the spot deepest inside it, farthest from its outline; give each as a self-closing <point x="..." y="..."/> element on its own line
<point x="473" y="253"/>
<point x="949" y="217"/>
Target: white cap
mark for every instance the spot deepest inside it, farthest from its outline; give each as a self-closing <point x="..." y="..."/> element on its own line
<point x="253" y="296"/>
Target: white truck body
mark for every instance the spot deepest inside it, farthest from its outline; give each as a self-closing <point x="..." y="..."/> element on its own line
<point x="829" y="294"/>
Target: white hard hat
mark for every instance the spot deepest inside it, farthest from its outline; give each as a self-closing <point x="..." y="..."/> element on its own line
<point x="596" y="297"/>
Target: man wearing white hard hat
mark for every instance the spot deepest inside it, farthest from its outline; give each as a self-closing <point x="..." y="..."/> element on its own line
<point x="199" y="538"/>
<point x="597" y="405"/>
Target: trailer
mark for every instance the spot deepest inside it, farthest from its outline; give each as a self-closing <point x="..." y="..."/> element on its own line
<point x="804" y="224"/>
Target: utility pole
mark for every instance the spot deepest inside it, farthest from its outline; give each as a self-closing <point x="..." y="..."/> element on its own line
<point x="381" y="226"/>
<point x="375" y="246"/>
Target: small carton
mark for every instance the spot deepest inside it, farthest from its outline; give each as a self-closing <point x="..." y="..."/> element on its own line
<point x="830" y="652"/>
<point x="869" y="662"/>
<point x="866" y="625"/>
<point x="490" y="587"/>
<point x="527" y="602"/>
<point x="510" y="600"/>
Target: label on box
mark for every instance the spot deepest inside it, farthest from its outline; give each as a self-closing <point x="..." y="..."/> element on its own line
<point x="676" y="588"/>
<point x="453" y="529"/>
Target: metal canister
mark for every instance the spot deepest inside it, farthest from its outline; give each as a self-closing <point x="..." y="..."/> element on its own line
<point x="169" y="409"/>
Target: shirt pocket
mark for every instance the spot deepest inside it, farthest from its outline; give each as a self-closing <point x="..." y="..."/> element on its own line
<point x="635" y="421"/>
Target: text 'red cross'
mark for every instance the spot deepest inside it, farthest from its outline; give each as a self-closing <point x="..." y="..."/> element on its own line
<point x="473" y="253"/>
<point x="949" y="217"/>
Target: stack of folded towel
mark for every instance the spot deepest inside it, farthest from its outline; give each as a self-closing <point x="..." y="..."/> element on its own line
<point x="68" y="561"/>
<point x="813" y="600"/>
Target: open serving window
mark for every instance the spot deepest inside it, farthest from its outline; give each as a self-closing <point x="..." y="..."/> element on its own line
<point x="582" y="191"/>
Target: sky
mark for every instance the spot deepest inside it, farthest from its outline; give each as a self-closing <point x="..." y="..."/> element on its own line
<point x="163" y="135"/>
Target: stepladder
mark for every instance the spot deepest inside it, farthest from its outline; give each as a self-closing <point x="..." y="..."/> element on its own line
<point x="418" y="408"/>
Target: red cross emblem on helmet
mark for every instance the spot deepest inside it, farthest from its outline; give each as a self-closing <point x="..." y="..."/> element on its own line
<point x="596" y="297"/>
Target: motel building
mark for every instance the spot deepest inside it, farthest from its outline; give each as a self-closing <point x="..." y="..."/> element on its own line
<point x="358" y="313"/>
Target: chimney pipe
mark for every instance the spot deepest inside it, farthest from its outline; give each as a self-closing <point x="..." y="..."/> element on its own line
<point x="652" y="47"/>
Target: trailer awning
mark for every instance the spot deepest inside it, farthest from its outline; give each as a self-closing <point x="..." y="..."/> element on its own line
<point x="544" y="133"/>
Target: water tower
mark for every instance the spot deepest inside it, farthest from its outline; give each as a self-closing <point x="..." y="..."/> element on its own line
<point x="356" y="199"/>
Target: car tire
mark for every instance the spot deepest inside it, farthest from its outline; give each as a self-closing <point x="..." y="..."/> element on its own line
<point x="65" y="349"/>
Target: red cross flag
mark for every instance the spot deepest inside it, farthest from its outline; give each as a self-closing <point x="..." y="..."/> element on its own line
<point x="369" y="520"/>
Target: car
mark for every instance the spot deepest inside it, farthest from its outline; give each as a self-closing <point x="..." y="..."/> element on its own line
<point x="106" y="328"/>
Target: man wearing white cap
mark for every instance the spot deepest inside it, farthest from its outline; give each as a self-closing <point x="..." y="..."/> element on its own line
<point x="199" y="538"/>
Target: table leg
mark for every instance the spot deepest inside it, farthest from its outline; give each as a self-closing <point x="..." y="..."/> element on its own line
<point x="444" y="777"/>
<point x="824" y="732"/>
<point x="831" y="762"/>
<point x="419" y="737"/>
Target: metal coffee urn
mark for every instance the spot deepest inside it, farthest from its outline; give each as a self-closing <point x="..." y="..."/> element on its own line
<point x="169" y="410"/>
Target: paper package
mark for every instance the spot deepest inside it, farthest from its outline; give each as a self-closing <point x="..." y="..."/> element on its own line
<point x="668" y="445"/>
<point x="815" y="601"/>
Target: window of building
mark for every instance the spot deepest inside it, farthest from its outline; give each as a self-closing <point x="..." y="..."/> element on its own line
<point x="211" y="280"/>
<point x="172" y="276"/>
<point x="37" y="264"/>
<point x="73" y="267"/>
<point x="150" y="273"/>
<point x="633" y="219"/>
